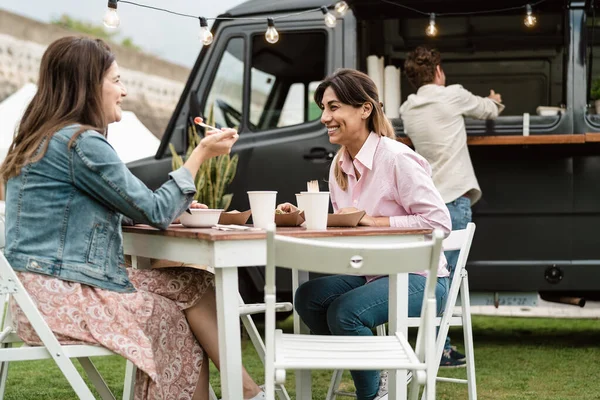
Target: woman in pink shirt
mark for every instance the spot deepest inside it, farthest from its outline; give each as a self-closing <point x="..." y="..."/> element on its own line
<point x="392" y="183"/>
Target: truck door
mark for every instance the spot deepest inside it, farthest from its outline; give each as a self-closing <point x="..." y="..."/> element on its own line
<point x="266" y="91"/>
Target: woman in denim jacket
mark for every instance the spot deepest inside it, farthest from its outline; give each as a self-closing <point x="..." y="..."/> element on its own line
<point x="67" y="193"/>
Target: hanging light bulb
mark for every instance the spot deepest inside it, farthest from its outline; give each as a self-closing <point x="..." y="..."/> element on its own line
<point x="205" y="35"/>
<point x="330" y="19"/>
<point x="431" y="29"/>
<point x="341" y="7"/>
<point x="111" y="18"/>
<point x="530" y="19"/>
<point x="271" y="35"/>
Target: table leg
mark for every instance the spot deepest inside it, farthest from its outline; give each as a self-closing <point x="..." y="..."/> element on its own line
<point x="303" y="377"/>
<point x="230" y="347"/>
<point x="398" y="322"/>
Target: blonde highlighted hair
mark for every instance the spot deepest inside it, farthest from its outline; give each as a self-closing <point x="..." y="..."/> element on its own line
<point x="355" y="88"/>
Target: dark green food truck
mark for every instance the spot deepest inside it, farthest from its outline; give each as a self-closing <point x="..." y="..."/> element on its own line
<point x="538" y="164"/>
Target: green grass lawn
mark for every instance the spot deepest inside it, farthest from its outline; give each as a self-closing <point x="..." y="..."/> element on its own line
<point x="516" y="359"/>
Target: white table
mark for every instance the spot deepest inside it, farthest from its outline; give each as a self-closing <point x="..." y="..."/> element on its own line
<point x="225" y="251"/>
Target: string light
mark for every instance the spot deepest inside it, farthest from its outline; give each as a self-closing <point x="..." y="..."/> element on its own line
<point x="431" y="29"/>
<point x="205" y="35"/>
<point x="330" y="19"/>
<point x="111" y="18"/>
<point x="272" y="36"/>
<point x="341" y="7"/>
<point x="530" y="19"/>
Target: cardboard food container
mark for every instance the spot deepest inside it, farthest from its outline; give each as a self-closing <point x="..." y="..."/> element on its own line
<point x="345" y="220"/>
<point x="234" y="217"/>
<point x="295" y="218"/>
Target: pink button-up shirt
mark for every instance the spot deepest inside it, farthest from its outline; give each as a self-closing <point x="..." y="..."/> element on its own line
<point x="394" y="182"/>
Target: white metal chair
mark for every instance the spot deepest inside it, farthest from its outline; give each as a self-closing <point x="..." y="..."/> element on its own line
<point x="457" y="240"/>
<point x="10" y="286"/>
<point x="292" y="351"/>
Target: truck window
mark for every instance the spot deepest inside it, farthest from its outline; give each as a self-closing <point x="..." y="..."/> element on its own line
<point x="294" y="109"/>
<point x="283" y="79"/>
<point x="225" y="95"/>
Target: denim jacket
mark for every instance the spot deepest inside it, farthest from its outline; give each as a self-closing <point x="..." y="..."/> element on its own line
<point x="63" y="212"/>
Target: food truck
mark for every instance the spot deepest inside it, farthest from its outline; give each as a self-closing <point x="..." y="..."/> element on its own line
<point x="538" y="163"/>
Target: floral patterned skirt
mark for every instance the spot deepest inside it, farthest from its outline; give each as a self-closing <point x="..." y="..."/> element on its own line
<point x="147" y="327"/>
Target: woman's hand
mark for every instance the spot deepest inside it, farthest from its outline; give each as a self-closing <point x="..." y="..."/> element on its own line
<point x="367" y="220"/>
<point x="287" y="208"/>
<point x="195" y="204"/>
<point x="216" y="143"/>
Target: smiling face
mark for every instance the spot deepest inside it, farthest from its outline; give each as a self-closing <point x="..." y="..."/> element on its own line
<point x="113" y="93"/>
<point x="346" y="125"/>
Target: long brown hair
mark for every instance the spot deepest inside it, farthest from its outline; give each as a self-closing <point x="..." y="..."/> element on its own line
<point x="420" y="66"/>
<point x="355" y="88"/>
<point x="69" y="92"/>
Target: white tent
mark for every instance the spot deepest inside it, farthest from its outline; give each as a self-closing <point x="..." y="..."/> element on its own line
<point x="11" y="111"/>
<point x="129" y="137"/>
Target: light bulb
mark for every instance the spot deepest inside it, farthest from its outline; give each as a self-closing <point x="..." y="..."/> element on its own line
<point x="431" y="29"/>
<point x="330" y="19"/>
<point x="530" y="19"/>
<point x="111" y="18"/>
<point x="272" y="36"/>
<point x="341" y="7"/>
<point x="205" y="35"/>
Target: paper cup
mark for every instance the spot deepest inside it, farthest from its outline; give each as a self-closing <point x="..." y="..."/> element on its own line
<point x="316" y="208"/>
<point x="300" y="202"/>
<point x="262" y="204"/>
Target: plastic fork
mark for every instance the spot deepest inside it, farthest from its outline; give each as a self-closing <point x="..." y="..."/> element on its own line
<point x="200" y="121"/>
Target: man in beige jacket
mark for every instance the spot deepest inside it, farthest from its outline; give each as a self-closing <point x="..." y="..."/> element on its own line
<point x="433" y="119"/>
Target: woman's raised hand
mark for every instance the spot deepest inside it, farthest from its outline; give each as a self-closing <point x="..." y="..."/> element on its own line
<point x="216" y="143"/>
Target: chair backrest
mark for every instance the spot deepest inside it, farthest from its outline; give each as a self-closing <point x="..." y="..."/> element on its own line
<point x="352" y="259"/>
<point x="460" y="240"/>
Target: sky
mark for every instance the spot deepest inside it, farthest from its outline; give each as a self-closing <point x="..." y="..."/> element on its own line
<point x="171" y="37"/>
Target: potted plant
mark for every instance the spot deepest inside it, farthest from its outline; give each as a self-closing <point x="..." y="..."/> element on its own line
<point x="214" y="175"/>
<point x="595" y="94"/>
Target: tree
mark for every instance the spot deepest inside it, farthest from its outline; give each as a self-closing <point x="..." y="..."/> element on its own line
<point x="88" y="28"/>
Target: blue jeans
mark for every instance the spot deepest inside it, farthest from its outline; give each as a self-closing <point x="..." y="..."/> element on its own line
<point x="346" y="305"/>
<point x="460" y="214"/>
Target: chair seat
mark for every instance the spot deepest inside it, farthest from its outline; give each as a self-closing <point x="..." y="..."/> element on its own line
<point x="350" y="352"/>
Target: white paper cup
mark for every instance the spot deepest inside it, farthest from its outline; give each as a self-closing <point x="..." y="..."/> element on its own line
<point x="316" y="208"/>
<point x="300" y="202"/>
<point x="262" y="204"/>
